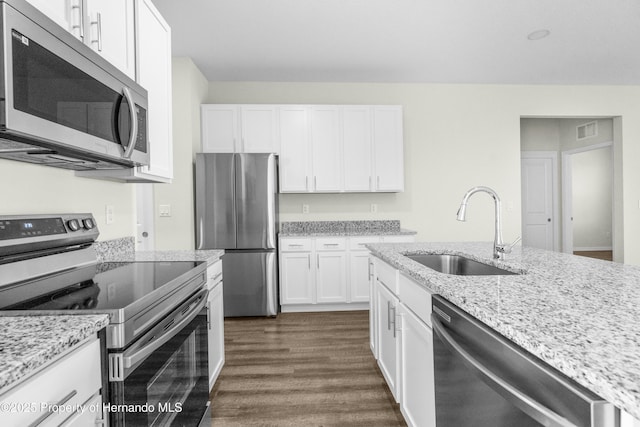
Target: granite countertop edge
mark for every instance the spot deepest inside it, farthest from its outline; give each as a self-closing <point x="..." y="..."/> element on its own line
<point x="209" y="256"/>
<point x="345" y="233"/>
<point x="29" y="342"/>
<point x="545" y="309"/>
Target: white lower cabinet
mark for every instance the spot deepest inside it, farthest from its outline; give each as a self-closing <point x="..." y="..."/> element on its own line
<point x="74" y="380"/>
<point x="402" y="342"/>
<point x="416" y="370"/>
<point x="327" y="273"/>
<point x="627" y="420"/>
<point x="388" y="337"/>
<point x="215" y="321"/>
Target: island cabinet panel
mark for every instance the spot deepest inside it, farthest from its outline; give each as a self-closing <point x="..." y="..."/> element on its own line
<point x="403" y="343"/>
<point x="74" y="379"/>
<point x="215" y="321"/>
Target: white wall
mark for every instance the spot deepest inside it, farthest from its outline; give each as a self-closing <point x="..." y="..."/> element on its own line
<point x="592" y="199"/>
<point x="458" y="136"/>
<point x="34" y="189"/>
<point x="189" y="91"/>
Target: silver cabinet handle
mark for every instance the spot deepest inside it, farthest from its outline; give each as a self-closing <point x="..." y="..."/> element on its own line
<point x="331" y="244"/>
<point x="306" y="183"/>
<point x="369" y="270"/>
<point x="309" y="260"/>
<point x="388" y="315"/>
<point x="208" y="316"/>
<point x="318" y="261"/>
<point x="98" y="24"/>
<point x="393" y="307"/>
<point x="370" y="183"/>
<point x="50" y="412"/>
<point x="295" y="246"/>
<point x="525" y="403"/>
<point x="315" y="183"/>
<point x="217" y="276"/>
<point x="80" y="26"/>
<point x="378" y="182"/>
<point x="134" y="123"/>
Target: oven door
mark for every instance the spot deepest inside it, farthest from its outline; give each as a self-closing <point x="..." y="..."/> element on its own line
<point x="162" y="379"/>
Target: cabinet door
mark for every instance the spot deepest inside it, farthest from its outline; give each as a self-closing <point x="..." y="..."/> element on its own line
<point x="417" y="378"/>
<point x="388" y="338"/>
<point x="295" y="150"/>
<point x="331" y="277"/>
<point x="359" y="273"/>
<point x="258" y="129"/>
<point x="154" y="74"/>
<point x="216" y="333"/>
<point x="296" y="285"/>
<point x="220" y="124"/>
<point x="356" y="141"/>
<point x="326" y="152"/>
<point x="62" y="12"/>
<point x="373" y="311"/>
<point x="627" y="420"/>
<point x="109" y="25"/>
<point x="388" y="148"/>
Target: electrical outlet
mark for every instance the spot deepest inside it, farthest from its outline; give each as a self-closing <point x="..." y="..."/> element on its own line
<point x="305" y="208"/>
<point x="374" y="207"/>
<point x="165" y="210"/>
<point x="109" y="215"/>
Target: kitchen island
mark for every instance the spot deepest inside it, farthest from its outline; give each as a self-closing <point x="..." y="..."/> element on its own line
<point x="579" y="315"/>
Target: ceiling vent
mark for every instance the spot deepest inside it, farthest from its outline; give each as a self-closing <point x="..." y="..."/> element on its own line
<point x="587" y="130"/>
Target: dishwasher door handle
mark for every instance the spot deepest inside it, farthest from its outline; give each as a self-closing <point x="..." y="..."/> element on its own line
<point x="528" y="405"/>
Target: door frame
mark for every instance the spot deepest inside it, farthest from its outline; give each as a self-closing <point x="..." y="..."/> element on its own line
<point x="567" y="194"/>
<point x="555" y="196"/>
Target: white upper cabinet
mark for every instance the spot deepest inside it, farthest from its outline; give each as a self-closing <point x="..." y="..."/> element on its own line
<point x="109" y="30"/>
<point x="356" y="134"/>
<point x="295" y="149"/>
<point x="153" y="62"/>
<point x="326" y="149"/>
<point x="388" y="150"/>
<point x="239" y="128"/>
<point x="107" y="26"/>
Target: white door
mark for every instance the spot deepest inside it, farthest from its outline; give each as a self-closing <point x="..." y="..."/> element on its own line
<point x="537" y="203"/>
<point x="331" y="277"/>
<point x="327" y="157"/>
<point x="296" y="286"/>
<point x="356" y="141"/>
<point x="220" y="127"/>
<point x="295" y="156"/>
<point x="258" y="128"/>
<point x="359" y="269"/>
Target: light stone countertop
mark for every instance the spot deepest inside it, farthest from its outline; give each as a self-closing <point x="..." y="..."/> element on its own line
<point x="210" y="256"/>
<point x="348" y="233"/>
<point x="579" y="315"/>
<point x="29" y="342"/>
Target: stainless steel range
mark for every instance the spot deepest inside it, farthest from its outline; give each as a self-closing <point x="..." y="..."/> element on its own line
<point x="156" y="340"/>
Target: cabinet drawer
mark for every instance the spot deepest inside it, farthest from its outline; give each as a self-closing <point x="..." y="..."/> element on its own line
<point x="357" y="243"/>
<point x="331" y="244"/>
<point x="416" y="297"/>
<point x="386" y="275"/>
<point x="214" y="274"/>
<point x="71" y="380"/>
<point x="295" y="245"/>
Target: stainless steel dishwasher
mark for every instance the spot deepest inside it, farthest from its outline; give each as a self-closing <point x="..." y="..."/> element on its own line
<point x="483" y="379"/>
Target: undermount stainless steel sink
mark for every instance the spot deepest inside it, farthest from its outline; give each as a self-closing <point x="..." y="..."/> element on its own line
<point x="458" y="265"/>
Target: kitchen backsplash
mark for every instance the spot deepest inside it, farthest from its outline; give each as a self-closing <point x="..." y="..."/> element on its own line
<point x="339" y="226"/>
<point x="109" y="248"/>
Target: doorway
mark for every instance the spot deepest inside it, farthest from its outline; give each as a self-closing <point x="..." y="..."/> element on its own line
<point x="568" y="185"/>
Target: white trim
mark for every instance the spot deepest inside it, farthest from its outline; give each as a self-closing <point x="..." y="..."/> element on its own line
<point x="307" y="308"/>
<point x="593" y="248"/>
<point x="555" y="197"/>
<point x="567" y="193"/>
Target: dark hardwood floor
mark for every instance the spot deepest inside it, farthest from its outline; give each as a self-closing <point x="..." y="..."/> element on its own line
<point x="303" y="370"/>
<point x="605" y="255"/>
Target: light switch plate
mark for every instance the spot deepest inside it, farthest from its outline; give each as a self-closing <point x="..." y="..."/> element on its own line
<point x="305" y="208"/>
<point x="165" y="210"/>
<point x="109" y="215"/>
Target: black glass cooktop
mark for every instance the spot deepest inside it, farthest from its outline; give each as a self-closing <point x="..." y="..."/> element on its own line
<point x="103" y="286"/>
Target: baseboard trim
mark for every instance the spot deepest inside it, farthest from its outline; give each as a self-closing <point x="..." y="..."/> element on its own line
<point x="308" y="308"/>
<point x="592" y="248"/>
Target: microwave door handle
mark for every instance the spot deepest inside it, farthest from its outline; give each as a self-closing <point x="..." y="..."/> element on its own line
<point x="134" y="123"/>
<point x="528" y="405"/>
<point x="156" y="343"/>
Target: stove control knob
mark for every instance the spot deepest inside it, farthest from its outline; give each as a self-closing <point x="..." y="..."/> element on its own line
<point x="73" y="225"/>
<point x="88" y="223"/>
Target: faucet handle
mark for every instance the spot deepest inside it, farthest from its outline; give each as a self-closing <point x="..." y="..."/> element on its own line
<point x="506" y="248"/>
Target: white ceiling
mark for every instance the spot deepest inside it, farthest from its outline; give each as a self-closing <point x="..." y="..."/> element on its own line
<point x="436" y="41"/>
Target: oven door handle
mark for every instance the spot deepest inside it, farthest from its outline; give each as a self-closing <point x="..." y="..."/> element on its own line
<point x="527" y="404"/>
<point x="157" y="342"/>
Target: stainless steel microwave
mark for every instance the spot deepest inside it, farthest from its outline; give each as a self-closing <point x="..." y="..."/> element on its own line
<point x="62" y="104"/>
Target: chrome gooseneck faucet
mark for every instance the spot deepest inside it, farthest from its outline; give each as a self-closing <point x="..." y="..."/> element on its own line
<point x="499" y="247"/>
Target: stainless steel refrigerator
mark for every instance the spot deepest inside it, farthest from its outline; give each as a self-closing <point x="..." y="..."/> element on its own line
<point x="237" y="210"/>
